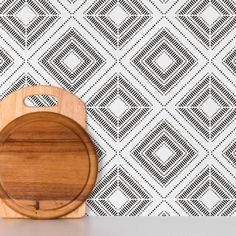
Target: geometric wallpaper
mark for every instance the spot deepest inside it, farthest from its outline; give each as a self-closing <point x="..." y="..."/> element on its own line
<point x="158" y="78"/>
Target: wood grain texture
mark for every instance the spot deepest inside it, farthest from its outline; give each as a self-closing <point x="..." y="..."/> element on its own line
<point x="48" y="163"/>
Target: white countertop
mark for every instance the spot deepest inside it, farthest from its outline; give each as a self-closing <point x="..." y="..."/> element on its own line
<point x="122" y="226"/>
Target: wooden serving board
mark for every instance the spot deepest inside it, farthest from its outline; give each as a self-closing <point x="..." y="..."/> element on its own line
<point x="48" y="163"/>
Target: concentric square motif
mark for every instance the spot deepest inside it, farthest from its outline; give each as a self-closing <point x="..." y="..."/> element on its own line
<point x="117" y="193"/>
<point x="164" y="61"/>
<point x="72" y="58"/>
<point x="118" y="107"/>
<point x="209" y="21"/>
<point x="209" y="194"/>
<point x="164" y="153"/>
<point x="118" y="21"/>
<point x="26" y="21"/>
<point x="209" y="107"/>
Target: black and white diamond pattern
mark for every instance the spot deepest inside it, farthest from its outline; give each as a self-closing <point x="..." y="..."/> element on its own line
<point x="72" y="60"/>
<point x="210" y="107"/>
<point x="225" y="153"/>
<point x="10" y="60"/>
<point x="164" y="153"/>
<point x="230" y="153"/>
<point x="157" y="79"/>
<point x="118" y="20"/>
<point x="26" y="80"/>
<point x="26" y="21"/>
<point x="5" y="61"/>
<point x="209" y="194"/>
<point x="164" y="61"/>
<point x="117" y="193"/>
<point x="208" y="20"/>
<point x="230" y="61"/>
<point x="118" y="107"/>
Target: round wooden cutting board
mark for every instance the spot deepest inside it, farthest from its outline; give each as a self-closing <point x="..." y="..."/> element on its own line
<point x="48" y="163"/>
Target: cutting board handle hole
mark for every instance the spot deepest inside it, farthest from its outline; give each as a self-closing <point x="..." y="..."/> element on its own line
<point x="40" y="100"/>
